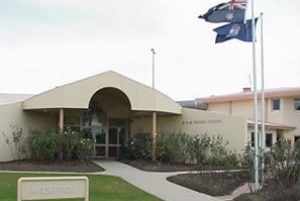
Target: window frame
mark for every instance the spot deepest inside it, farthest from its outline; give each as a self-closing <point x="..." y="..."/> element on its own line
<point x="267" y="136"/>
<point x="276" y="104"/>
<point x="297" y="104"/>
<point x="269" y="140"/>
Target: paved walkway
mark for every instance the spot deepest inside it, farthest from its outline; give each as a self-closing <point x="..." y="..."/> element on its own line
<point x="152" y="182"/>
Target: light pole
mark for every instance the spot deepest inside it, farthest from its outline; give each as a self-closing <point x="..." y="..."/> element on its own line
<point x="153" y="68"/>
<point x="154" y="118"/>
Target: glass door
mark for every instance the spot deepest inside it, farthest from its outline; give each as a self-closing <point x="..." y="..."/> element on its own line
<point x="118" y="136"/>
<point x="94" y="123"/>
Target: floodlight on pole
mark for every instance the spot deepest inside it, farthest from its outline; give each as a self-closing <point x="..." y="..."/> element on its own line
<point x="153" y="68"/>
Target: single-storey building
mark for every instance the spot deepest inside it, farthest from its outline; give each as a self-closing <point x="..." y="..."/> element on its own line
<point x="112" y="107"/>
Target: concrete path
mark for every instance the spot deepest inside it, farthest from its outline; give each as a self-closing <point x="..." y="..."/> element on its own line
<point x="152" y="182"/>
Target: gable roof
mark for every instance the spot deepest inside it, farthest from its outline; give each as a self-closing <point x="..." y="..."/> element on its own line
<point x="248" y="95"/>
<point x="78" y="94"/>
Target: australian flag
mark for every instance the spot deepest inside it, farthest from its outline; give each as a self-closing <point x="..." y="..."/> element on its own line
<point x="233" y="11"/>
<point x="238" y="30"/>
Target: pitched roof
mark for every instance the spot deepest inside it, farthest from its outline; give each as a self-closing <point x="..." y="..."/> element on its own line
<point x="248" y="95"/>
<point x="79" y="93"/>
<point x="6" y="98"/>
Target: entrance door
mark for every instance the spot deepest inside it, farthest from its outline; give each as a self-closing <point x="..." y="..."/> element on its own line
<point x="94" y="123"/>
<point x="108" y="134"/>
<point x="117" y="136"/>
<point x="116" y="139"/>
<point x="108" y="142"/>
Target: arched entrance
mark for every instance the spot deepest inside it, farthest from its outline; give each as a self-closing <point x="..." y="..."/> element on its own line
<point x="107" y="121"/>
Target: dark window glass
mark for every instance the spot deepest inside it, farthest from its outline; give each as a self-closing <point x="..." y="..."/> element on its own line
<point x="253" y="139"/>
<point x="276" y="104"/>
<point x="269" y="140"/>
<point x="297" y="103"/>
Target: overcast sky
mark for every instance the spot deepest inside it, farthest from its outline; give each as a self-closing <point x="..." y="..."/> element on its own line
<point x="48" y="43"/>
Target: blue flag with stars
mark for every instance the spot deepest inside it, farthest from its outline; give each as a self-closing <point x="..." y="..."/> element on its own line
<point x="233" y="11"/>
<point x="238" y="30"/>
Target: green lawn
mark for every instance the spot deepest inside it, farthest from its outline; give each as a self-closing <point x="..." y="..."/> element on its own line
<point x="101" y="187"/>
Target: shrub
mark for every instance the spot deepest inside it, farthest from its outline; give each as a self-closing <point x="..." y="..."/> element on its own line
<point x="84" y="149"/>
<point x="139" y="147"/>
<point x="166" y="147"/>
<point x="14" y="141"/>
<point x="203" y="150"/>
<point x="48" y="145"/>
<point x="283" y="163"/>
<point x="44" y="145"/>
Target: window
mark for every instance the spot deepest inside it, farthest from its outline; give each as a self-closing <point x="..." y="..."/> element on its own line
<point x="269" y="140"/>
<point x="297" y="103"/>
<point x="253" y="139"/>
<point x="276" y="104"/>
<point x="297" y="138"/>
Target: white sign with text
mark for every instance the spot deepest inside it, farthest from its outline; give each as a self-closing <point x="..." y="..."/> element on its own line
<point x="41" y="188"/>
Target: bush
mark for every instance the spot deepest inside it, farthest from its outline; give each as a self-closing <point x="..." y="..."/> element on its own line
<point x="48" y="145"/>
<point x="14" y="141"/>
<point x="167" y="146"/>
<point x="283" y="163"/>
<point x="139" y="147"/>
<point x="75" y="146"/>
<point x="203" y="150"/>
<point x="44" y="145"/>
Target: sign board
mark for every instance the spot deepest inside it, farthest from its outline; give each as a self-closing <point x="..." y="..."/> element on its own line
<point x="42" y="188"/>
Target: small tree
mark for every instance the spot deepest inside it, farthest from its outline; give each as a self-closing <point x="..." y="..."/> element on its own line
<point x="283" y="163"/>
<point x="14" y="141"/>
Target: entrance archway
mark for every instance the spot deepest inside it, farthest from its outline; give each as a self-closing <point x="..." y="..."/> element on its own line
<point x="107" y="122"/>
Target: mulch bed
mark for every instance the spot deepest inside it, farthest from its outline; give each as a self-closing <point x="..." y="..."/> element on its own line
<point x="60" y="166"/>
<point x="214" y="184"/>
<point x="273" y="192"/>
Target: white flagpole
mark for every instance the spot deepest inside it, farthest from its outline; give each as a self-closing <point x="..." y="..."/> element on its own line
<point x="256" y="154"/>
<point x="263" y="134"/>
<point x="246" y="11"/>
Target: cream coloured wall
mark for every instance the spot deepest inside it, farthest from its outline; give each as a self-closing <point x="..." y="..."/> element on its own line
<point x="275" y="115"/>
<point x="237" y="108"/>
<point x="290" y="116"/>
<point x="192" y="121"/>
<point x="244" y="108"/>
<point x="220" y="107"/>
<point x="10" y="115"/>
<point x="13" y="115"/>
<point x="287" y="115"/>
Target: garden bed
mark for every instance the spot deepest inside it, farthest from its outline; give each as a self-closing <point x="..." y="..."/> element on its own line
<point x="59" y="166"/>
<point x="212" y="184"/>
